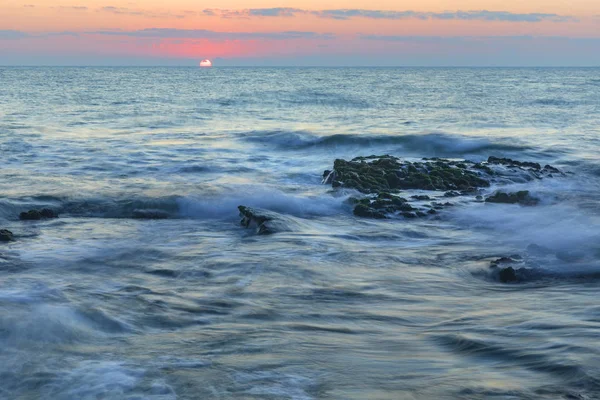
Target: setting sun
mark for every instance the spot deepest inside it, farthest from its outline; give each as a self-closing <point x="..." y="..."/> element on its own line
<point x="206" y="63"/>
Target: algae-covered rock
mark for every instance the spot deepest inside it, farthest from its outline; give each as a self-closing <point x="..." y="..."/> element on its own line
<point x="379" y="207"/>
<point x="265" y="221"/>
<point x="362" y="210"/>
<point x="6" y="235"/>
<point x="382" y="177"/>
<point x="521" y="197"/>
<point x="375" y="174"/>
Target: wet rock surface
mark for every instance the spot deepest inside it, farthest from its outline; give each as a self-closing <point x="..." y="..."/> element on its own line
<point x="374" y="174"/>
<point x="36" y="215"/>
<point x="383" y="179"/>
<point x="521" y="197"/>
<point x="6" y="235"/>
<point x="264" y="221"/>
<point x="150" y="214"/>
<point x="510" y="269"/>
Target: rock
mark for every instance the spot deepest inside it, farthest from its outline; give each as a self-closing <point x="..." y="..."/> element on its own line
<point x="522" y="197"/>
<point x="551" y="169"/>
<point x="150" y="214"/>
<point x="502" y="260"/>
<point x="265" y="221"/>
<point x="6" y="235"/>
<point x="512" y="163"/>
<point x="378" y="207"/>
<point x="381" y="177"/>
<point x="451" y="193"/>
<point x="35" y="215"/>
<point x="375" y="174"/>
<point x="362" y="210"/>
<point x="512" y="269"/>
<point x="31" y="215"/>
<point x="507" y="275"/>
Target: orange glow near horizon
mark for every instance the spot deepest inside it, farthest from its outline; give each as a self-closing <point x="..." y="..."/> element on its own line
<point x="95" y="26"/>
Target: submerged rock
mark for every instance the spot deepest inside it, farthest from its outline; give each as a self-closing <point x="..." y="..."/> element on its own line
<point x="30" y="215"/>
<point x="150" y="214"/>
<point x="521" y="197"/>
<point x="35" y="215"/>
<point x="511" y="269"/>
<point x="265" y="221"/>
<point x="6" y="235"/>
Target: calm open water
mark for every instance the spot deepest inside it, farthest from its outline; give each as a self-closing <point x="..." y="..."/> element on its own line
<point x="99" y="305"/>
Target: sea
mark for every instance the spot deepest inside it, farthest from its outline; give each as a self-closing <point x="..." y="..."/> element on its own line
<point x="148" y="287"/>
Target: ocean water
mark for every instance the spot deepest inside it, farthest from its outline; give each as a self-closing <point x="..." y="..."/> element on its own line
<point x="98" y="304"/>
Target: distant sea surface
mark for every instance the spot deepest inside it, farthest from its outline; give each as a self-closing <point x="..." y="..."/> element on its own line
<point x="103" y="303"/>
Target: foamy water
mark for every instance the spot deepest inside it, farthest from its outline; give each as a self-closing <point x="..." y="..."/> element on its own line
<point x="102" y="304"/>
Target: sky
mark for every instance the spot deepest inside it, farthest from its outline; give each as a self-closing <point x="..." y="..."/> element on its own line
<point x="301" y="32"/>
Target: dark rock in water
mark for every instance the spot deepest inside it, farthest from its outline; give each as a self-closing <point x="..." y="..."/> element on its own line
<point x="150" y="214"/>
<point x="507" y="274"/>
<point x="522" y="197"/>
<point x="362" y="210"/>
<point x="502" y="260"/>
<point x="327" y="177"/>
<point x="384" y="203"/>
<point x="452" y="193"/>
<point x="511" y="269"/>
<point x="551" y="169"/>
<point x="382" y="177"/>
<point x="31" y="215"/>
<point x="6" y="235"/>
<point x="512" y="163"/>
<point x="35" y="215"/>
<point x="375" y="174"/>
<point x="265" y="221"/>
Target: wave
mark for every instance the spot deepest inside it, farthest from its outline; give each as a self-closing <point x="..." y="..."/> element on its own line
<point x="552" y="102"/>
<point x="216" y="205"/>
<point x="430" y="144"/>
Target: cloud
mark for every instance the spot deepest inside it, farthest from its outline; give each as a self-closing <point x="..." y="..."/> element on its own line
<point x="345" y="14"/>
<point x="10" y="34"/>
<point x="139" y="13"/>
<point x="72" y="8"/>
<point x="479" y="39"/>
<point x="273" y="12"/>
<point x="207" y="34"/>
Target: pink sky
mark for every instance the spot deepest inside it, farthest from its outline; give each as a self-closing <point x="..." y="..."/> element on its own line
<point x="482" y="32"/>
